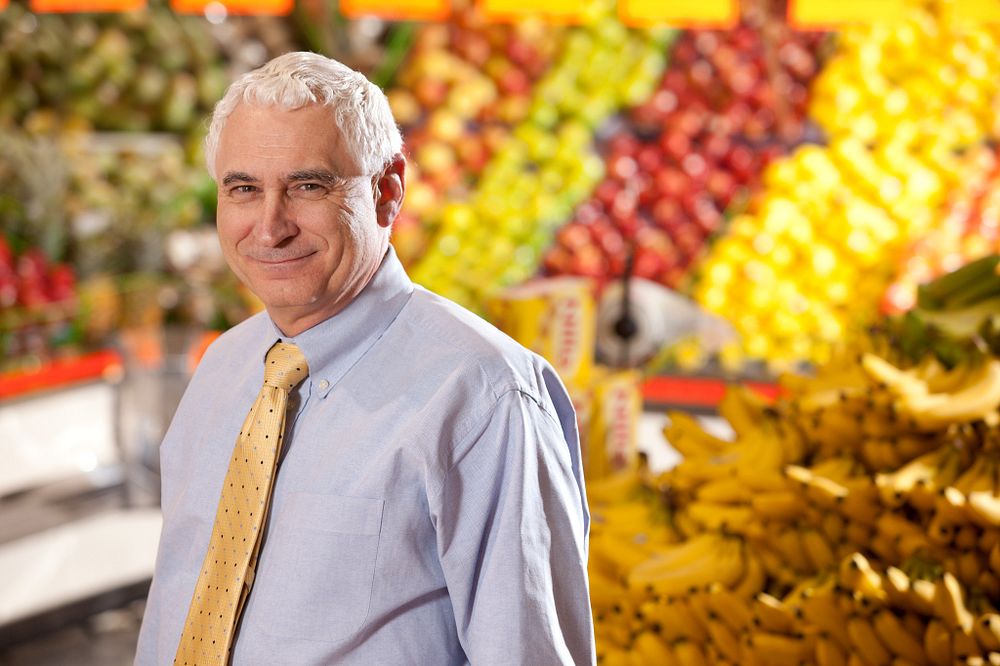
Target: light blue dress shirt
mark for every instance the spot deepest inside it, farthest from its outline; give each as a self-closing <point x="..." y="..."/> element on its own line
<point x="429" y="506"/>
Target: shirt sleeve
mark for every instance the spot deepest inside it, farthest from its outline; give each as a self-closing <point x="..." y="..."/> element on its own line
<point x="511" y="535"/>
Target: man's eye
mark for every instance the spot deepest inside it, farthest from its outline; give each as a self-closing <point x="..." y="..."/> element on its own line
<point x="243" y="190"/>
<point x="308" y="190"/>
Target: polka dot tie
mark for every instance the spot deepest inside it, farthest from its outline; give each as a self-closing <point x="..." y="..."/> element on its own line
<point x="228" y="570"/>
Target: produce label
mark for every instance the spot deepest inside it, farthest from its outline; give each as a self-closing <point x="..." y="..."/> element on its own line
<point x="67" y="6"/>
<point x="823" y="14"/>
<point x="236" y="7"/>
<point x="397" y="9"/>
<point x="555" y="11"/>
<point x="680" y="13"/>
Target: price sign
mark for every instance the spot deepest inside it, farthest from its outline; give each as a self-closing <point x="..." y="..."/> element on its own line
<point x="215" y="8"/>
<point x="68" y="6"/>
<point x="680" y="13"/>
<point x="553" y="11"/>
<point x="987" y="11"/>
<point x="417" y="10"/>
<point x="826" y="14"/>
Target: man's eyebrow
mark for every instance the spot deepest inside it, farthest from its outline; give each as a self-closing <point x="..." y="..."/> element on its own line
<point x="237" y="177"/>
<point x="322" y="175"/>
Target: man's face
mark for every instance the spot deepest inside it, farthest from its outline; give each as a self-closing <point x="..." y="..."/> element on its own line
<point x="297" y="216"/>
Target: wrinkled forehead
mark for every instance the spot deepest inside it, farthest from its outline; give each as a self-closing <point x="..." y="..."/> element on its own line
<point x="271" y="132"/>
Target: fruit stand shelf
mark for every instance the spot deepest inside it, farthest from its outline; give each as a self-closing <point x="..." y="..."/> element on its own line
<point x="60" y="373"/>
<point x="694" y="393"/>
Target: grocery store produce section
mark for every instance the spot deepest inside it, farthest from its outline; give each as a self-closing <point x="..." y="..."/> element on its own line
<point x="827" y="197"/>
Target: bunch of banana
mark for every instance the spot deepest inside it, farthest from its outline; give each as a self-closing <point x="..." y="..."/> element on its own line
<point x="854" y="520"/>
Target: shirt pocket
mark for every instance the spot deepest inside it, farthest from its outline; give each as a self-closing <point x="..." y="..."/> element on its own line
<point x="320" y="568"/>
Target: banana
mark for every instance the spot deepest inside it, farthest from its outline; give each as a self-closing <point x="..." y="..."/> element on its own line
<point x="676" y="622"/>
<point x="779" y="649"/>
<point x="613" y="488"/>
<point x="723" y="564"/>
<point x="895" y="638"/>
<point x="964" y="646"/>
<point x="857" y="574"/>
<point x="785" y="505"/>
<point x="689" y="654"/>
<point x="977" y="398"/>
<point x="720" y="517"/>
<point x="821" y="608"/>
<point x="987" y="540"/>
<point x="978" y="477"/>
<point x="772" y="616"/>
<point x="674" y="556"/>
<point x="904" y="383"/>
<point x="866" y="642"/>
<point x="988" y="583"/>
<point x="650" y="649"/>
<point x="614" y="656"/>
<point x="730" y="607"/>
<point x="724" y="491"/>
<point x="686" y="434"/>
<point x="968" y="566"/>
<point x="858" y="534"/>
<point x="984" y="507"/>
<point x="818" y="551"/>
<point x="950" y="606"/>
<point x="994" y="559"/>
<point x="905" y="536"/>
<point x="761" y="480"/>
<point x="937" y="643"/>
<point x="753" y="579"/>
<point x="920" y="478"/>
<point x="787" y="542"/>
<point x="828" y="653"/>
<point x="832" y="525"/>
<point x="724" y="640"/>
<point x="987" y="632"/>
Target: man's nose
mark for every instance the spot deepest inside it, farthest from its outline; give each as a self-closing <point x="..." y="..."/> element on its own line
<point x="277" y="221"/>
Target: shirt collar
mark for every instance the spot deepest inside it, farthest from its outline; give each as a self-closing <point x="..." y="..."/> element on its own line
<point x="333" y="346"/>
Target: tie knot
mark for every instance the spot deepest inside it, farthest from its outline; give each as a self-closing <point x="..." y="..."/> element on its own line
<point x="284" y="366"/>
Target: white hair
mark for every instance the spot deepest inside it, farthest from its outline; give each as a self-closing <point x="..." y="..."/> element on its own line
<point x="293" y="80"/>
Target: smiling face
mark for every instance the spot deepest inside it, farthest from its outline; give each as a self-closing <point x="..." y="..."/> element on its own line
<point x="299" y="222"/>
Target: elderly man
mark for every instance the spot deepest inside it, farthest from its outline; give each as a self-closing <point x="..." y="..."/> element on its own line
<point x="405" y="484"/>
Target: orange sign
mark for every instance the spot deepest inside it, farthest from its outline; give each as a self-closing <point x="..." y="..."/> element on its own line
<point x="223" y="8"/>
<point x="680" y="13"/>
<point x="418" y="10"/>
<point x="825" y="14"/>
<point x="68" y="6"/>
<point x="987" y="11"/>
<point x="554" y="11"/>
<point x="3" y="5"/>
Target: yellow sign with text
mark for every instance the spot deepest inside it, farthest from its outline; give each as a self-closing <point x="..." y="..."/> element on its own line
<point x="234" y="7"/>
<point x="824" y="14"/>
<point x="68" y="6"/>
<point x="553" y="11"/>
<point x="419" y="10"/>
<point x="680" y="13"/>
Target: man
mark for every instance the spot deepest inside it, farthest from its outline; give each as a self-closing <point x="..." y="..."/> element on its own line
<point x="406" y="488"/>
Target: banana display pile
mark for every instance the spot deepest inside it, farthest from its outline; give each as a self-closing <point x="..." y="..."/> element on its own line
<point x="854" y="520"/>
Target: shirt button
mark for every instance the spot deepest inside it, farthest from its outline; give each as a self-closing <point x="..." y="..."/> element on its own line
<point x="324" y="385"/>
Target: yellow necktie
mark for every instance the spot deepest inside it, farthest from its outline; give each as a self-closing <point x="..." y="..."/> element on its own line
<point x="228" y="571"/>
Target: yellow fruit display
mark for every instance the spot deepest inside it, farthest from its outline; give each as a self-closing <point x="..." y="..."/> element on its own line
<point x="494" y="237"/>
<point x="854" y="519"/>
<point x="809" y="261"/>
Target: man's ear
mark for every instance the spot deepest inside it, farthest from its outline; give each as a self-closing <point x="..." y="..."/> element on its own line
<point x="389" y="191"/>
